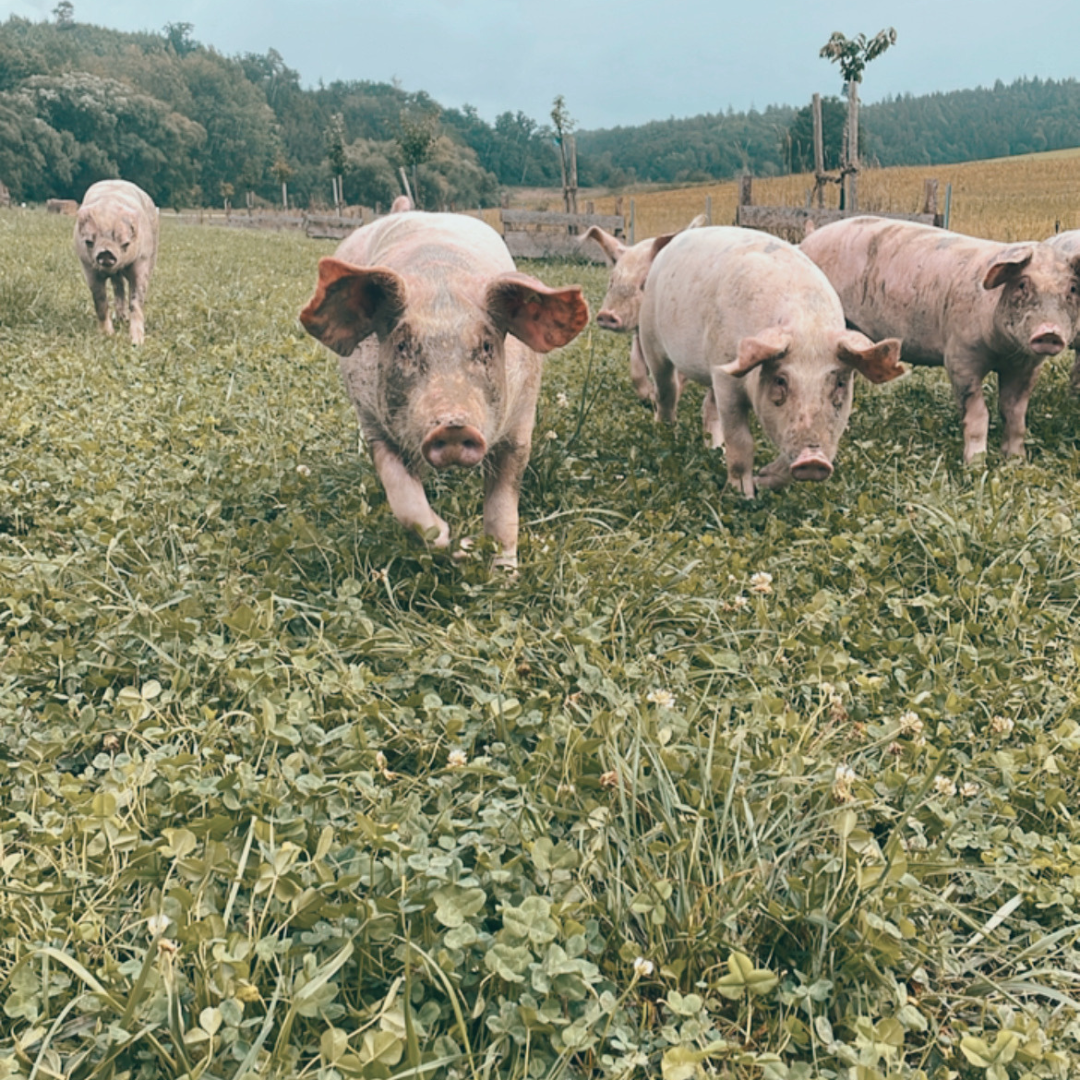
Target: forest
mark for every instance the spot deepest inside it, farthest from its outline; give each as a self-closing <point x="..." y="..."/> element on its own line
<point x="79" y="103"/>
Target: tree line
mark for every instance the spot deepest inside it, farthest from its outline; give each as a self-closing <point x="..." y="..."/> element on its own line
<point x="79" y="103"/>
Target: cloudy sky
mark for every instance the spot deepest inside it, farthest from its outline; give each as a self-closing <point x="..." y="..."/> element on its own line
<point x="621" y="62"/>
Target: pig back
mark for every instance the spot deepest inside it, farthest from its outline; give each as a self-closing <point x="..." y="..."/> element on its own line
<point x="903" y="279"/>
<point x="429" y="245"/>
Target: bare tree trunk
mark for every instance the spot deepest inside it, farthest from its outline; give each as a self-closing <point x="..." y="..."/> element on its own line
<point x="853" y="145"/>
<point x="819" y="153"/>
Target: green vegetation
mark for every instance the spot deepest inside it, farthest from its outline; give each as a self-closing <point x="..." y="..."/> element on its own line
<point x="285" y="794"/>
<point x="79" y="103"/>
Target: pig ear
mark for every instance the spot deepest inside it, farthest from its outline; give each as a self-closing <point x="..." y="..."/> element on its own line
<point x="543" y="318"/>
<point x="698" y="222"/>
<point x="879" y="363"/>
<point x="770" y="344"/>
<point x="613" y="248"/>
<point x="659" y="243"/>
<point x="1010" y="262"/>
<point x="351" y="303"/>
<point x="401" y="205"/>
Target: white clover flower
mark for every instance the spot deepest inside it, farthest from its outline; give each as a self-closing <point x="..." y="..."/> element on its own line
<point x="304" y="470"/>
<point x="910" y="724"/>
<point x="739" y="602"/>
<point x="457" y="759"/>
<point x="157" y="924"/>
<point x="562" y="399"/>
<point x="842" y="782"/>
<point x="1002" y="725"/>
<point x="944" y="786"/>
<point x="761" y="582"/>
<point x="969" y="789"/>
<point x="551" y="435"/>
<point x="827" y="689"/>
<point x="895" y="748"/>
<point x="610" y="779"/>
<point x="643" y="968"/>
<point x="664" y="698"/>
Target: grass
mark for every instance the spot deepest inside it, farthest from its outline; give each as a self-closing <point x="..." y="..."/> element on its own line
<point x="1016" y="198"/>
<point x="285" y="794"/>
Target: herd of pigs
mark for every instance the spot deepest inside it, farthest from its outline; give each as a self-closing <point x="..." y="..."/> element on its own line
<point x="439" y="336"/>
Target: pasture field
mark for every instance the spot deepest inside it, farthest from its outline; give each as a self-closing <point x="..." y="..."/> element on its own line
<point x="773" y="789"/>
<point x="1017" y="198"/>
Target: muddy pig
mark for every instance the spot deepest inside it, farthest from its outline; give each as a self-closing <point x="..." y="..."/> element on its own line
<point x="116" y="237"/>
<point x="622" y="303"/>
<point x="752" y="318"/>
<point x="439" y="338"/>
<point x="1068" y="243"/>
<point x="972" y="305"/>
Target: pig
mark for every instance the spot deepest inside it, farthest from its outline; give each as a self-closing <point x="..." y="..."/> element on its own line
<point x="753" y="319"/>
<point x="116" y="236"/>
<point x="622" y="304"/>
<point x="1068" y="243"/>
<point x="439" y="340"/>
<point x="972" y="305"/>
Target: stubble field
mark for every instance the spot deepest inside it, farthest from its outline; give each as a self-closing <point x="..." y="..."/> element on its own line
<point x="782" y="789"/>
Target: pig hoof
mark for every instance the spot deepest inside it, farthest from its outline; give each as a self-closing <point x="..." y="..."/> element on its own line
<point x="437" y="535"/>
<point x="465" y="549"/>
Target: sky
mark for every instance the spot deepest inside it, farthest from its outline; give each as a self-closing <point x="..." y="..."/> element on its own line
<point x="624" y="62"/>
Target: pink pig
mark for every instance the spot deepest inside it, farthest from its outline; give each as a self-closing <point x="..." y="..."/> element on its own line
<point x="621" y="306"/>
<point x="972" y="305"/>
<point x="754" y="320"/>
<point x="439" y="338"/>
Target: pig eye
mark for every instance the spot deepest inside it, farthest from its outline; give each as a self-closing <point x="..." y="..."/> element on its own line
<point x="487" y="349"/>
<point x="402" y="348"/>
<point x="780" y="382"/>
<point x="89" y="243"/>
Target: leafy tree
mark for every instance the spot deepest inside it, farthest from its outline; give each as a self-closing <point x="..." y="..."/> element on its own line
<point x="64" y="13"/>
<point x="418" y="130"/>
<point x="801" y="132"/>
<point x="178" y="36"/>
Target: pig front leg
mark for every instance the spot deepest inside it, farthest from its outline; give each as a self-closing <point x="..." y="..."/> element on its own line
<point x="733" y="411"/>
<point x="775" y="475"/>
<point x="711" y="426"/>
<point x="639" y="373"/>
<point x="502" y="489"/>
<point x="1014" y="391"/>
<point x="966" y="376"/>
<point x="120" y="296"/>
<point x="405" y="494"/>
<point x="99" y="290"/>
<point x="139" y="280"/>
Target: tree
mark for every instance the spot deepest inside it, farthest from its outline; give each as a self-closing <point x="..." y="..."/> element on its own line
<point x="178" y="36"/>
<point x="853" y="55"/>
<point x="65" y="14"/>
<point x="282" y="170"/>
<point x="564" y="125"/>
<point x="335" y="153"/>
<point x="416" y="136"/>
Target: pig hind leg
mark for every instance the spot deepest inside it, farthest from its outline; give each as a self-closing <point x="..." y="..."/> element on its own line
<point x="1014" y="390"/>
<point x="967" y="389"/>
<point x="406" y="496"/>
<point x="139" y="279"/>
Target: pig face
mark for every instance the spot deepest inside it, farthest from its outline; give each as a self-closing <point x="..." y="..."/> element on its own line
<point x="105" y="240"/>
<point x="1038" y="310"/>
<point x="440" y="359"/>
<point x="803" y="394"/>
<point x="629" y="269"/>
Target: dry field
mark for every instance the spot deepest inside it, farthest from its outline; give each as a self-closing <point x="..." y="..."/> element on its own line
<point x="1005" y="198"/>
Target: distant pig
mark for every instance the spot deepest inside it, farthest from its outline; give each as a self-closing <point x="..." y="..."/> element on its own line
<point x="418" y="306"/>
<point x="116" y="237"/>
<point x="621" y="306"/>
<point x="973" y="305"/>
<point x="1068" y="243"/>
<point x="753" y="319"/>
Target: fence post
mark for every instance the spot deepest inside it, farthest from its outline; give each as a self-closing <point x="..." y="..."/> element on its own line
<point x="633" y="223"/>
<point x="708" y="209"/>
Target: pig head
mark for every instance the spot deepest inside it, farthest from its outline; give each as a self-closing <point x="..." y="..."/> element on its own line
<point x="439" y="355"/>
<point x="801" y="390"/>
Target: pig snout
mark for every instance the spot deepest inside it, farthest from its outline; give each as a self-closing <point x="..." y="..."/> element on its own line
<point x="454" y="444"/>
<point x="811" y="464"/>
<point x="608" y="320"/>
<point x="1048" y="340"/>
<point x="105" y="259"/>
